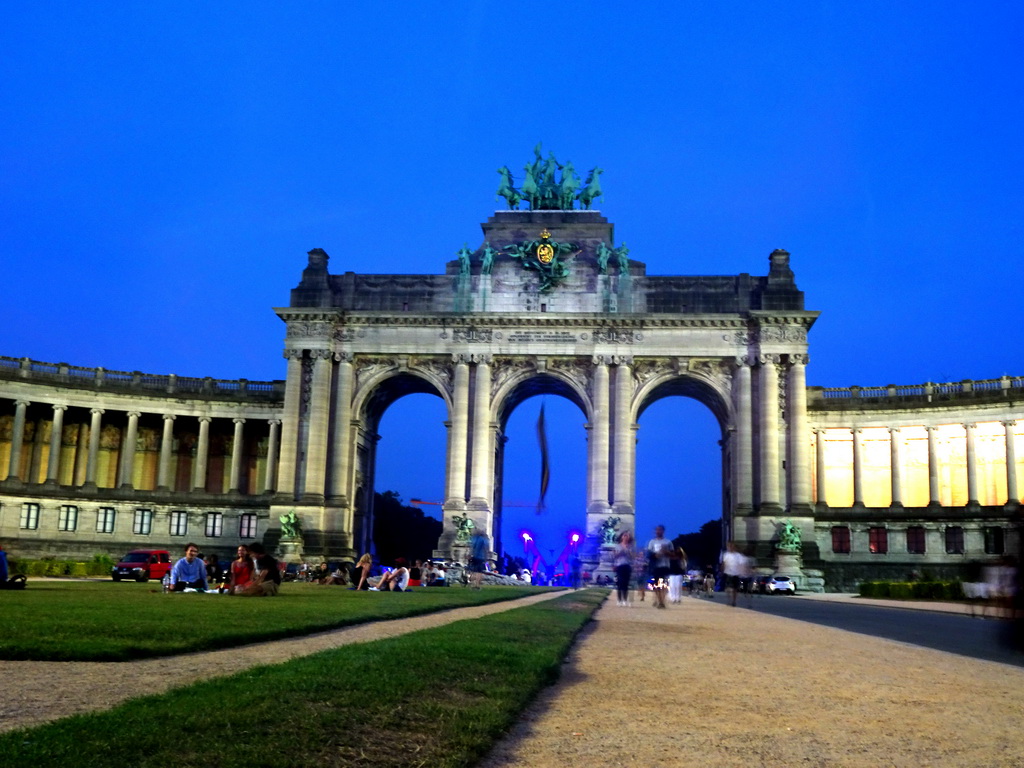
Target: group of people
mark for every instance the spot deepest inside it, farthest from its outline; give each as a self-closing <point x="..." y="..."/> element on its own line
<point x="660" y="561"/>
<point x="253" y="573"/>
<point x="361" y="575"/>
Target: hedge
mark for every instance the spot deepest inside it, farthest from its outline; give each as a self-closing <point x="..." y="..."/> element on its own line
<point x="912" y="590"/>
<point x="100" y="565"/>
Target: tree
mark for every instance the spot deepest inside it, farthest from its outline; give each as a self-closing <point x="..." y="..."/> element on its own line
<point x="402" y="531"/>
<point x="704" y="547"/>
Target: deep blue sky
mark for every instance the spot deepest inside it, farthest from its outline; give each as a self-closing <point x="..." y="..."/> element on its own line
<point x="164" y="167"/>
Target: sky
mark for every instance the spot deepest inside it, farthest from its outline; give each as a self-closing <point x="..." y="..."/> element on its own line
<point x="165" y="167"/>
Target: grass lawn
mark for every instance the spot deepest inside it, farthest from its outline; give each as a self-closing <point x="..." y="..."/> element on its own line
<point x="438" y="697"/>
<point x="107" y="621"/>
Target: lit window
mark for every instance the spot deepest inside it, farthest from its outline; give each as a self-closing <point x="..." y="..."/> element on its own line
<point x="841" y="540"/>
<point x="179" y="523"/>
<point x="29" y="516"/>
<point x="954" y="540"/>
<point x="143" y="524"/>
<point x="878" y="541"/>
<point x="214" y="524"/>
<point x="993" y="540"/>
<point x="67" y="519"/>
<point x="105" y="520"/>
<point x="247" y="526"/>
<point x="915" y="540"/>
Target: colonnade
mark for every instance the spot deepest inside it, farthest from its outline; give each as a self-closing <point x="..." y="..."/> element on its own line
<point x="80" y="466"/>
<point x="936" y="465"/>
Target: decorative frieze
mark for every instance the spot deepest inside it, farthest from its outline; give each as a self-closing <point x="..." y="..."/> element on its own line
<point x="616" y="336"/>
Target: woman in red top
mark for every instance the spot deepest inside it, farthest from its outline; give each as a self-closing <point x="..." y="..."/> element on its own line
<point x="241" y="571"/>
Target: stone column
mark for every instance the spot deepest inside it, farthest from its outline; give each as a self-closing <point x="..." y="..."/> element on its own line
<point x="895" y="468"/>
<point x="131" y="438"/>
<point x="459" y="435"/>
<point x="290" y="423"/>
<point x="934" y="497"/>
<point x="743" y="450"/>
<point x="600" y="431"/>
<point x="81" y="454"/>
<point x="339" y="491"/>
<point x="819" y="455"/>
<point x="202" y="451"/>
<point x="319" y="415"/>
<point x="56" y="433"/>
<point x="858" y="467"/>
<point x="799" y="468"/>
<point x="1012" y="494"/>
<point x="272" y="449"/>
<point x="163" y="474"/>
<point x="17" y="440"/>
<point x="483" y="448"/>
<point x="236" y="457"/>
<point x="94" y="448"/>
<point x="625" y="441"/>
<point x="972" y="466"/>
<point x="769" y="393"/>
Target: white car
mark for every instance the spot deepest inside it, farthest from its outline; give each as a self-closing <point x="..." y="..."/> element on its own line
<point x="783" y="584"/>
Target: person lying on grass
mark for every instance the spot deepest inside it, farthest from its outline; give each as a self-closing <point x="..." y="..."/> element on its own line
<point x="397" y="580"/>
<point x="267" y="577"/>
<point x="189" y="572"/>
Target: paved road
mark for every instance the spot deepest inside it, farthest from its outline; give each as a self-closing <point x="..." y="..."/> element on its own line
<point x="955" y="633"/>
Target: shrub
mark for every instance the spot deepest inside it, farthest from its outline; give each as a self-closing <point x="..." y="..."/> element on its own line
<point x="901" y="590"/>
<point x="79" y="570"/>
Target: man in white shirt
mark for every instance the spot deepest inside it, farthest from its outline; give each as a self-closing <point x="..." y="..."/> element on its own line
<point x="734" y="566"/>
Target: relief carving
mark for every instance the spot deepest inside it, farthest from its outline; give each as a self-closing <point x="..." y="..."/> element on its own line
<point x="312" y="329"/>
<point x="616" y="336"/>
<point x="345" y="333"/>
<point x="437" y="370"/>
<point x="783" y="334"/>
<point x="505" y="369"/>
<point x="472" y="335"/>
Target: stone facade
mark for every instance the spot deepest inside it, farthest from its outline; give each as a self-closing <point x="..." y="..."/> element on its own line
<point x="215" y="460"/>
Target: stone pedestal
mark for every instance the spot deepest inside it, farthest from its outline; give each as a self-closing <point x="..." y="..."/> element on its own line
<point x="291" y="550"/>
<point x="790" y="563"/>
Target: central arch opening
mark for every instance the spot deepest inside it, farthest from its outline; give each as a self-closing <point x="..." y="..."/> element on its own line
<point x="680" y="471"/>
<point x="518" y="478"/>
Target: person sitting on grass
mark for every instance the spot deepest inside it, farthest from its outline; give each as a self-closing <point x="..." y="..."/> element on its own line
<point x="189" y="572"/>
<point x="397" y="580"/>
<point x="361" y="572"/>
<point x="435" y="575"/>
<point x="267" y="578"/>
<point x="241" y="571"/>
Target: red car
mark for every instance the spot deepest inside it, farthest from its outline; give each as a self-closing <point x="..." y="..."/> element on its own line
<point x="142" y="565"/>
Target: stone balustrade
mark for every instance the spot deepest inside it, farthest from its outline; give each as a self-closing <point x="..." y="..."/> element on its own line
<point x="62" y="374"/>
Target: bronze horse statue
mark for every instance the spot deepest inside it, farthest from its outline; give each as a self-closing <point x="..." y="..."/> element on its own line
<point x="592" y="188"/>
<point x="507" y="190"/>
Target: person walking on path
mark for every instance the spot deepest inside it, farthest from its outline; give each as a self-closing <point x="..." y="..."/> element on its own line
<point x="622" y="560"/>
<point x="658" y="550"/>
<point x="734" y="565"/>
<point x="676" y="570"/>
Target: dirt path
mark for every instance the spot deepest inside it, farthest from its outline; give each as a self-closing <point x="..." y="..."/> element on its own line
<point x="39" y="691"/>
<point x="704" y="684"/>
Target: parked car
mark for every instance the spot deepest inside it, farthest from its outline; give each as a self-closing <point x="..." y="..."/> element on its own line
<point x="142" y="565"/>
<point x="777" y="584"/>
<point x="761" y="584"/>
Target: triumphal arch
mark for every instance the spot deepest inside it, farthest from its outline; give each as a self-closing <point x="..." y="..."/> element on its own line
<point x="545" y="302"/>
<point x="829" y="484"/>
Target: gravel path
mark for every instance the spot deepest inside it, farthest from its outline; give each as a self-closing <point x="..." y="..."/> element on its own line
<point x="39" y="691"/>
<point x="704" y="684"/>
